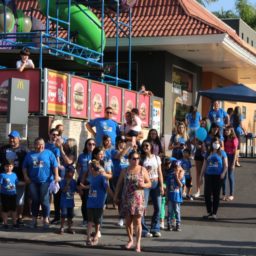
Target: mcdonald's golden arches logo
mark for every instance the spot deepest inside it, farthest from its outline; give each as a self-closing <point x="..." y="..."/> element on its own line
<point x="20" y="85"/>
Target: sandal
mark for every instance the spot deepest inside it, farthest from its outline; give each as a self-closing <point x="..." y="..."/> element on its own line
<point x="129" y="245"/>
<point x="95" y="241"/>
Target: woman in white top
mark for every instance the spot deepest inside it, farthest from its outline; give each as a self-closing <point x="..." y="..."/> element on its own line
<point x="24" y="62"/>
<point x="152" y="163"/>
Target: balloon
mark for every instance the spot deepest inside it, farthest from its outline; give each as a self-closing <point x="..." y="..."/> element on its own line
<point x="201" y="134"/>
<point x="24" y="23"/>
<point x="9" y="18"/>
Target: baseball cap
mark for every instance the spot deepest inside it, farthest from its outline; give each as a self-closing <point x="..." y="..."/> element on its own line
<point x="14" y="134"/>
<point x="176" y="163"/>
<point x="169" y="160"/>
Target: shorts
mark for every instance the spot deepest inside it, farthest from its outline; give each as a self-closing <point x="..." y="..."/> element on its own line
<point x="94" y="215"/>
<point x="132" y="133"/>
<point x="20" y="189"/>
<point x="67" y="212"/>
<point x="188" y="182"/>
<point x="8" y="203"/>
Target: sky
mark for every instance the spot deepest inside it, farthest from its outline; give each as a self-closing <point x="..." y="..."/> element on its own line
<point x="226" y="5"/>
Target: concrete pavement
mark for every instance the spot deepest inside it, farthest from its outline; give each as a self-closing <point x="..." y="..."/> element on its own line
<point x="233" y="234"/>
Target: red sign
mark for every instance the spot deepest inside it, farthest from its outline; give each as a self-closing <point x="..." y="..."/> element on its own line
<point x="33" y="75"/>
<point x="98" y="99"/>
<point x="57" y="93"/>
<point x="115" y="101"/>
<point x="144" y="109"/>
<point x="130" y="100"/>
<point x="78" y="99"/>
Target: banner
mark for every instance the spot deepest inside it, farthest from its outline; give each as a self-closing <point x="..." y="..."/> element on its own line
<point x="98" y="99"/>
<point x="57" y="93"/>
<point x="34" y="78"/>
<point x="144" y="109"/>
<point x="156" y="115"/>
<point x="130" y="100"/>
<point x="78" y="99"/>
<point x="115" y="101"/>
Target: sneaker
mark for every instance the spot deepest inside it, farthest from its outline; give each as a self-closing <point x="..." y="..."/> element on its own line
<point x="84" y="224"/>
<point x="208" y="216"/>
<point x="197" y="195"/>
<point x="20" y="222"/>
<point x="156" y="234"/>
<point x="33" y="224"/>
<point x="189" y="197"/>
<point x="55" y="221"/>
<point x="230" y="198"/>
<point x="99" y="234"/>
<point x="15" y="226"/>
<point x="184" y="195"/>
<point x="162" y="225"/>
<point x="46" y="225"/>
<point x="178" y="228"/>
<point x="148" y="235"/>
<point x="214" y="217"/>
<point x="61" y="232"/>
<point x="120" y="223"/>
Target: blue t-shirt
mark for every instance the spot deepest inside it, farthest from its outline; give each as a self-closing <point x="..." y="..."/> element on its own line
<point x="97" y="191"/>
<point x="215" y="163"/>
<point x="8" y="182"/>
<point x="67" y="197"/>
<point x="177" y="152"/>
<point x="40" y="165"/>
<point x="83" y="161"/>
<point x="186" y="165"/>
<point x="105" y="127"/>
<point x="174" y="192"/>
<point x="237" y="124"/>
<point x="52" y="147"/>
<point x="119" y="164"/>
<point x="217" y="116"/>
<point x="193" y="123"/>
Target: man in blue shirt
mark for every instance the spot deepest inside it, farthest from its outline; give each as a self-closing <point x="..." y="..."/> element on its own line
<point x="218" y="115"/>
<point x="104" y="126"/>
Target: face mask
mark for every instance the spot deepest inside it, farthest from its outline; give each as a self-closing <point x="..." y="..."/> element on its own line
<point x="215" y="145"/>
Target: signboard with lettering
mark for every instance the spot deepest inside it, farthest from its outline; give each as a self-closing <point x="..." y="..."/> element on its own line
<point x="18" y="101"/>
<point x="57" y="93"/>
<point x="156" y="115"/>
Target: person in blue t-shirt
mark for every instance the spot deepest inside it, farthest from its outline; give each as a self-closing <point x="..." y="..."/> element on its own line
<point x="96" y="200"/>
<point x="186" y="165"/>
<point x="40" y="167"/>
<point x="214" y="169"/>
<point x="82" y="167"/>
<point x="104" y="126"/>
<point x="8" y="183"/>
<point x="218" y="115"/>
<point x="68" y="187"/>
<point x="174" y="182"/>
<point x="192" y="121"/>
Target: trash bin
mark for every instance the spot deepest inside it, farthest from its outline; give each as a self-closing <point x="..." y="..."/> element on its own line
<point x="250" y="145"/>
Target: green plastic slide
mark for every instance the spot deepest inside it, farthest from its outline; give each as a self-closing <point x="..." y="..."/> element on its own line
<point x="83" y="22"/>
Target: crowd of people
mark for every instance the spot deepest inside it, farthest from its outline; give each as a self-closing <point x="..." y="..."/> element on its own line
<point x="115" y="167"/>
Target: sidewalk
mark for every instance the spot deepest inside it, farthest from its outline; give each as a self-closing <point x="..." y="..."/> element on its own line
<point x="233" y="234"/>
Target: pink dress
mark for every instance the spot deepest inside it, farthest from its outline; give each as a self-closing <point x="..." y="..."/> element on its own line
<point x="132" y="197"/>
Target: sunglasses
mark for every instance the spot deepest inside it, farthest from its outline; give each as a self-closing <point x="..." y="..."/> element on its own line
<point x="146" y="146"/>
<point x="135" y="158"/>
<point x="109" y="112"/>
<point x="55" y="134"/>
<point x="91" y="144"/>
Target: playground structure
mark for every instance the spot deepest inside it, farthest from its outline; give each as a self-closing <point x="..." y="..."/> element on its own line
<point x="72" y="30"/>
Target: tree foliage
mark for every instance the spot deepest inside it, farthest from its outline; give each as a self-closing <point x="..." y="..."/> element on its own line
<point x="206" y="2"/>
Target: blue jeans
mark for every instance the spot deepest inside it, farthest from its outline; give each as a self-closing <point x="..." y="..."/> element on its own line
<point x="154" y="192"/>
<point x="173" y="212"/>
<point x="231" y="176"/>
<point x="40" y="196"/>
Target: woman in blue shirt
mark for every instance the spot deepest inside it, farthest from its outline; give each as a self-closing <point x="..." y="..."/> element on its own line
<point x="214" y="170"/>
<point x="82" y="167"/>
<point x="192" y="121"/>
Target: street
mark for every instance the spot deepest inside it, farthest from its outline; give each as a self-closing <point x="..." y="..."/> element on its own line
<point x="234" y="233"/>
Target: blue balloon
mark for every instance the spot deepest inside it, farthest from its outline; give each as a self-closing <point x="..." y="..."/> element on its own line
<point x="201" y="134"/>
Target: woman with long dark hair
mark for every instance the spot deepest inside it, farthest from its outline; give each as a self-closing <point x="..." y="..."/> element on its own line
<point x="154" y="138"/>
<point x="236" y="121"/>
<point x="214" y="170"/>
<point x="82" y="166"/>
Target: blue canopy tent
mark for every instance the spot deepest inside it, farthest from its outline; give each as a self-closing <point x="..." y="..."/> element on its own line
<point x="236" y="92"/>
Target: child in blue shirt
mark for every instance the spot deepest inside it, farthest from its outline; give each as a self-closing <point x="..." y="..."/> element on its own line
<point x="8" y="183"/>
<point x="186" y="166"/>
<point x="96" y="200"/>
<point x="68" y="187"/>
<point x="174" y="183"/>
